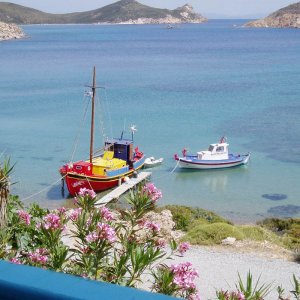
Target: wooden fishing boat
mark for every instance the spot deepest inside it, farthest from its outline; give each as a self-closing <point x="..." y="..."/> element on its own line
<point x="216" y="157"/>
<point x="119" y="159"/>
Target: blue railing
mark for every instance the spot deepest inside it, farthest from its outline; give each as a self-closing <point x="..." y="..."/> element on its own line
<point x="29" y="283"/>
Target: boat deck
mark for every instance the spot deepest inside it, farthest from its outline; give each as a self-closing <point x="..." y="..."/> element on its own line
<point x="123" y="188"/>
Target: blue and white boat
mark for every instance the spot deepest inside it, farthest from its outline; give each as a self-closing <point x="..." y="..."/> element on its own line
<point x="215" y="157"/>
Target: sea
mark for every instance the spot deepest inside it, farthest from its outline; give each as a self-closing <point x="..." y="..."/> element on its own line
<point x="184" y="87"/>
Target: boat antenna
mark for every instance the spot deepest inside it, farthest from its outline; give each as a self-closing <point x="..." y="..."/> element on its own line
<point x="133" y="130"/>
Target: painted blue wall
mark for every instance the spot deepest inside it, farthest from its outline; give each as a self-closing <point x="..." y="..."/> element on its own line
<point x="25" y="282"/>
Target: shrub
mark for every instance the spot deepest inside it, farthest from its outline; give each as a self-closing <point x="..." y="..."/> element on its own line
<point x="187" y="217"/>
<point x="209" y="234"/>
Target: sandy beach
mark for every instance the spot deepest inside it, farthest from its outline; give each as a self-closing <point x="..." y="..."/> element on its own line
<point x="218" y="268"/>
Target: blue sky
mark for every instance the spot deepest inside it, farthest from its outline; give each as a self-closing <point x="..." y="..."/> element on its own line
<point x="208" y="8"/>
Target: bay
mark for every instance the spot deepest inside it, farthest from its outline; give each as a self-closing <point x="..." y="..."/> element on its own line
<point x="181" y="87"/>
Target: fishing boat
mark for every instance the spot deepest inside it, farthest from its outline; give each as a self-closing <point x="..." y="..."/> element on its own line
<point x="216" y="157"/>
<point x="118" y="159"/>
<point x="151" y="162"/>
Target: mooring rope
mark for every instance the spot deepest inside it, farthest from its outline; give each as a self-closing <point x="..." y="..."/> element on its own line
<point x="168" y="174"/>
<point x="46" y="188"/>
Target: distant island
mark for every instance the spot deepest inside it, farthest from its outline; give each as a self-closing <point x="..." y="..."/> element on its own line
<point x="121" y="12"/>
<point x="10" y="31"/>
<point x="288" y="16"/>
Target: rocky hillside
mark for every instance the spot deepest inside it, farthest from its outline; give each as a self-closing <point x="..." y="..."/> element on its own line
<point x="288" y="16"/>
<point x="10" y="31"/>
<point x="121" y="12"/>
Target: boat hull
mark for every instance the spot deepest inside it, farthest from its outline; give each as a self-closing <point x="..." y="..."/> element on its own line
<point x="75" y="181"/>
<point x="190" y="162"/>
<point x="150" y="163"/>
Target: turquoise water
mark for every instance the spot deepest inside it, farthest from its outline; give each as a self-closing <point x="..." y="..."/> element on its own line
<point x="184" y="87"/>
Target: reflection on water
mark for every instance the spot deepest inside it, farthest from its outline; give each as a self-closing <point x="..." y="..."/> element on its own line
<point x="216" y="180"/>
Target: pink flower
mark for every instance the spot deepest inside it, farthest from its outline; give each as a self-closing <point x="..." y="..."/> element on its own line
<point x="184" y="275"/>
<point x="74" y="215"/>
<point x="15" y="261"/>
<point x="86" y="192"/>
<point x="106" y="214"/>
<point x="39" y="256"/>
<point x="183" y="247"/>
<point x="52" y="221"/>
<point x="106" y="232"/>
<point x="24" y="216"/>
<point x="92" y="237"/>
<point x="151" y="190"/>
<point x="62" y="210"/>
<point x="153" y="226"/>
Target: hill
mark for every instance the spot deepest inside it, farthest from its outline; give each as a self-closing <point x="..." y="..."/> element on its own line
<point x="124" y="12"/>
<point x="288" y="16"/>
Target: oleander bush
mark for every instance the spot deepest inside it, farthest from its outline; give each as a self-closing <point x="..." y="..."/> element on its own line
<point x="101" y="246"/>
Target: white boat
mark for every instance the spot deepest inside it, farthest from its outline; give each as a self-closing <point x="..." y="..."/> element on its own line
<point x="151" y="162"/>
<point x="216" y="157"/>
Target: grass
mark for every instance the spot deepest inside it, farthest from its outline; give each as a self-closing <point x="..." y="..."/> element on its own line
<point x="186" y="217"/>
<point x="204" y="227"/>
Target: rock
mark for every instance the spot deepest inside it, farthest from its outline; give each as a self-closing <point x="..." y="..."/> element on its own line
<point x="228" y="241"/>
<point x="288" y="16"/>
<point x="10" y="31"/>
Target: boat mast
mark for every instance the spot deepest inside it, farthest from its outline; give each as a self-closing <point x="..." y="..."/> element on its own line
<point x="93" y="115"/>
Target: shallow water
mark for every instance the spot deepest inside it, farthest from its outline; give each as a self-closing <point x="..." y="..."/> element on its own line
<point x="184" y="87"/>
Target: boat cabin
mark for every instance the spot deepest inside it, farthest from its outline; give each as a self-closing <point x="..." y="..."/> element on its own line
<point x="215" y="152"/>
<point x="121" y="149"/>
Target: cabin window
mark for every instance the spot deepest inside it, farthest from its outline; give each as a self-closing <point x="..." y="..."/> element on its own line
<point x="211" y="148"/>
<point x="220" y="149"/>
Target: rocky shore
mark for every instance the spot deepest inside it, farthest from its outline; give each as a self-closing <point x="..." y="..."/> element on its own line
<point x="282" y="21"/>
<point x="287" y="17"/>
<point x="10" y="31"/>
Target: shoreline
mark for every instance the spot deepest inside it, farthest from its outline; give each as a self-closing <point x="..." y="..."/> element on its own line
<point x="10" y="32"/>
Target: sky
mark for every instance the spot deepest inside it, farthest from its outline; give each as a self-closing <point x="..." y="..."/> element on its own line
<point x="207" y="8"/>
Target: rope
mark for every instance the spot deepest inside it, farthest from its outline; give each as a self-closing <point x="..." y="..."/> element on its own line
<point x="168" y="174"/>
<point x="175" y="166"/>
<point x="89" y="182"/>
<point x="54" y="183"/>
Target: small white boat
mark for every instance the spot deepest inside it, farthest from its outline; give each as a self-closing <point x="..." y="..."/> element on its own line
<point x="216" y="157"/>
<point x="151" y="162"/>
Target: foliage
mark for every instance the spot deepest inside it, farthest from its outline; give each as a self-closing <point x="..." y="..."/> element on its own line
<point x="246" y="291"/>
<point x="209" y="234"/>
<point x="176" y="280"/>
<point x="5" y="171"/>
<point x="288" y="229"/>
<point x="187" y="217"/>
